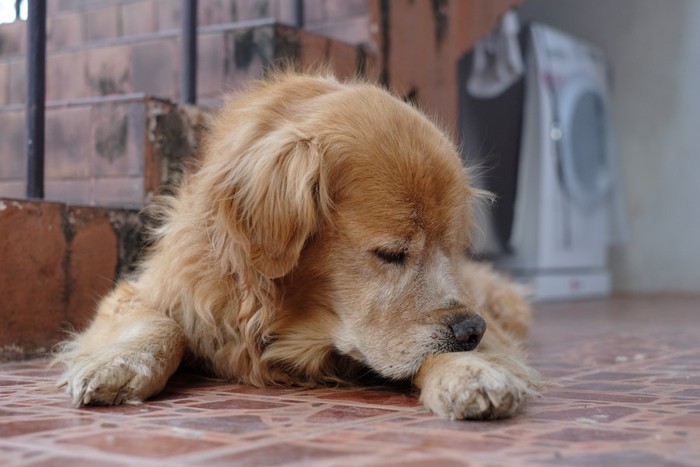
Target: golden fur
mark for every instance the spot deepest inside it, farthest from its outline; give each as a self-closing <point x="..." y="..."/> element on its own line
<point x="324" y="233"/>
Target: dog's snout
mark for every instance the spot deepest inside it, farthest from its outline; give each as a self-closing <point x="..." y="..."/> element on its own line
<point x="468" y="331"/>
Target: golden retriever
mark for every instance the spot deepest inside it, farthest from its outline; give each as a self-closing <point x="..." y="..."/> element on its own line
<point x="323" y="235"/>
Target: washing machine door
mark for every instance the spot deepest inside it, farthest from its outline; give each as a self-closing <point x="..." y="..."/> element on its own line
<point x="584" y="142"/>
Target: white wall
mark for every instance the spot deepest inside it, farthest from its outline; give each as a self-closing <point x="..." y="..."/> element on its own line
<point x="654" y="47"/>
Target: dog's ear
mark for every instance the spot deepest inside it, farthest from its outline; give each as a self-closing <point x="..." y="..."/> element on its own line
<point x="276" y="195"/>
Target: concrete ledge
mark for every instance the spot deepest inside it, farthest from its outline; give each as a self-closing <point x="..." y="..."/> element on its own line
<point x="57" y="261"/>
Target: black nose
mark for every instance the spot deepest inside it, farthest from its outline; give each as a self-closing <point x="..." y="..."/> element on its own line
<point x="468" y="331"/>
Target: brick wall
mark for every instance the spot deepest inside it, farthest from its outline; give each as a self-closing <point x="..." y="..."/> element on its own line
<point x="57" y="260"/>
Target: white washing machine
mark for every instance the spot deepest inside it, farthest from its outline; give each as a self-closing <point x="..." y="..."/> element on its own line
<point x="567" y="207"/>
<point x="567" y="198"/>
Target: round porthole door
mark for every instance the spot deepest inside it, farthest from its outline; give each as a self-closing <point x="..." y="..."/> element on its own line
<point x="585" y="143"/>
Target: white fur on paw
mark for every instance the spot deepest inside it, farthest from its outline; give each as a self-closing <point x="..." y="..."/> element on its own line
<point x="471" y="388"/>
<point x="122" y="380"/>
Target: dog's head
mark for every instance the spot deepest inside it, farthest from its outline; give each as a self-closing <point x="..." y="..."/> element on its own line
<point x="357" y="207"/>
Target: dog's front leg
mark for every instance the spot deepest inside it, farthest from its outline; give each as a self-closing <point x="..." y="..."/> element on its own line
<point x="125" y="356"/>
<point x="474" y="385"/>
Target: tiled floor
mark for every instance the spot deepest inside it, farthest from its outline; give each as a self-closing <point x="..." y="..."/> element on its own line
<point x="625" y="377"/>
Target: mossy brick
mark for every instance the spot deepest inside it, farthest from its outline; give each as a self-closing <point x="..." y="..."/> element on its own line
<point x="117" y="138"/>
<point x="108" y="70"/>
<point x="67" y="129"/>
<point x="93" y="261"/>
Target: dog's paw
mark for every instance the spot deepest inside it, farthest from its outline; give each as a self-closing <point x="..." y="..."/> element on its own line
<point x="466" y="386"/>
<point x="127" y="379"/>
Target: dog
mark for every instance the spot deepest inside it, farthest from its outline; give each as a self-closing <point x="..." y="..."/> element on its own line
<point x="323" y="235"/>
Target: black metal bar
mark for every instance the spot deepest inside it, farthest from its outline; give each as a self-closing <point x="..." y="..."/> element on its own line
<point x="299" y="13"/>
<point x="385" y="13"/>
<point x="188" y="83"/>
<point x="36" y="94"/>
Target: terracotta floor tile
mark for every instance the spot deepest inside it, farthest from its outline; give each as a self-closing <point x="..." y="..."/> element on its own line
<point x="60" y="461"/>
<point x="625" y="390"/>
<point x="20" y="427"/>
<point x="281" y="453"/>
<point x="144" y="443"/>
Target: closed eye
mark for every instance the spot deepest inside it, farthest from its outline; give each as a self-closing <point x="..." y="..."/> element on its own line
<point x="390" y="256"/>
